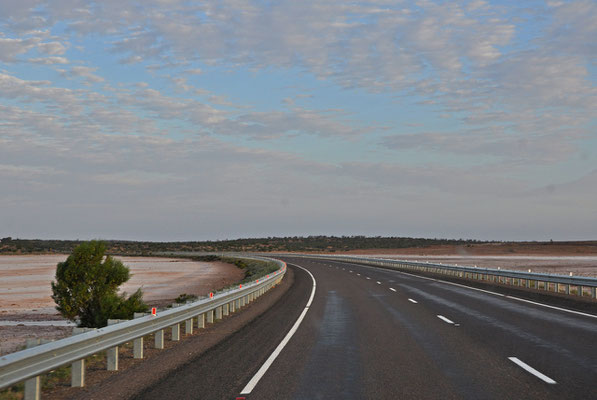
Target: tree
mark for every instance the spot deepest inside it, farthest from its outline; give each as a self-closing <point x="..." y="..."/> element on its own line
<point x="86" y="287"/>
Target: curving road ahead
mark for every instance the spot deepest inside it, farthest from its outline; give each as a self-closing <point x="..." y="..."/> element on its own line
<point x="377" y="334"/>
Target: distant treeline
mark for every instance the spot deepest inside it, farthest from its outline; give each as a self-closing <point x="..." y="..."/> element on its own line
<point x="270" y="244"/>
<point x="275" y="244"/>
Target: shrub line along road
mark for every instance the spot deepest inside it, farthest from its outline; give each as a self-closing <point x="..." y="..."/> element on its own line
<point x="379" y="334"/>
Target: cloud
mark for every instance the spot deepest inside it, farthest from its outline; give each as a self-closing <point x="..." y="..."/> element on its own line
<point x="539" y="148"/>
<point x="52" y="48"/>
<point x="194" y="71"/>
<point x="196" y="154"/>
<point x="85" y="72"/>
<point x="48" y="60"/>
<point x="11" y="48"/>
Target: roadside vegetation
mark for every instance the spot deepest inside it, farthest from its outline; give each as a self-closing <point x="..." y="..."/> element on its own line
<point x="253" y="269"/>
<point x="9" y="245"/>
<point x="86" y="287"/>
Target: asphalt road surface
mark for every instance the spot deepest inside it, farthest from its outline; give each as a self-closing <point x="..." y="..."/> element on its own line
<point x="377" y="334"/>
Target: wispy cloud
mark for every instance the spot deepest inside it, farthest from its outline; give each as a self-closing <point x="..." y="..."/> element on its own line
<point x="321" y="116"/>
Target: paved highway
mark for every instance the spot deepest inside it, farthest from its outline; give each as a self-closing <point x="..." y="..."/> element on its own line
<point x="377" y="334"/>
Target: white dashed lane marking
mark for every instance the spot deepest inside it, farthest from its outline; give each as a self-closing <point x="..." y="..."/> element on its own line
<point x="446" y="320"/>
<point x="532" y="370"/>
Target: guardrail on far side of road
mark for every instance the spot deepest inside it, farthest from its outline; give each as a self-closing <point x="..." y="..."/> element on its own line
<point x="580" y="286"/>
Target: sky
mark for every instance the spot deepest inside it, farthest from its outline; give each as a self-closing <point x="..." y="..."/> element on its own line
<point x="170" y="120"/>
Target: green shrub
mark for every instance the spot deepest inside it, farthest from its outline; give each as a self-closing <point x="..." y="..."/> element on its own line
<point x="86" y="287"/>
<point x="183" y="298"/>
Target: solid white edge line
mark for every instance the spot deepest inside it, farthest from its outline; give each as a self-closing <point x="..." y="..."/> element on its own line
<point x="480" y="290"/>
<point x="412" y="301"/>
<point x="392" y="289"/>
<point x="255" y="379"/>
<point x="445" y="319"/>
<point x="554" y="307"/>
<point x="532" y="370"/>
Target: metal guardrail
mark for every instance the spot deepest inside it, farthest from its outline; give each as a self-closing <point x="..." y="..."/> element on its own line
<point x="585" y="286"/>
<point x="29" y="364"/>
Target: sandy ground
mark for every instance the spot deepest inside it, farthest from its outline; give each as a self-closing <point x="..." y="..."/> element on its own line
<point x="25" y="293"/>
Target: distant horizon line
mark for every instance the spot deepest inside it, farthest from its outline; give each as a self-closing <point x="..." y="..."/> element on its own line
<point x="310" y="236"/>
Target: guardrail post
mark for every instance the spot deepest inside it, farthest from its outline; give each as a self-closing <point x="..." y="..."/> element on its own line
<point x="218" y="313"/>
<point x="226" y="310"/>
<point x="210" y="317"/>
<point x="112" y="353"/>
<point x="112" y="362"/>
<point x="138" y="348"/>
<point x="233" y="306"/>
<point x="188" y="327"/>
<point x="138" y="343"/>
<point x="159" y="339"/>
<point x="200" y="321"/>
<point x="32" y="385"/>
<point x="77" y="373"/>
<point x="175" y="332"/>
<point x="33" y="388"/>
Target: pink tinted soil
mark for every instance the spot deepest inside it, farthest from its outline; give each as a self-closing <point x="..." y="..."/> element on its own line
<point x="25" y="292"/>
